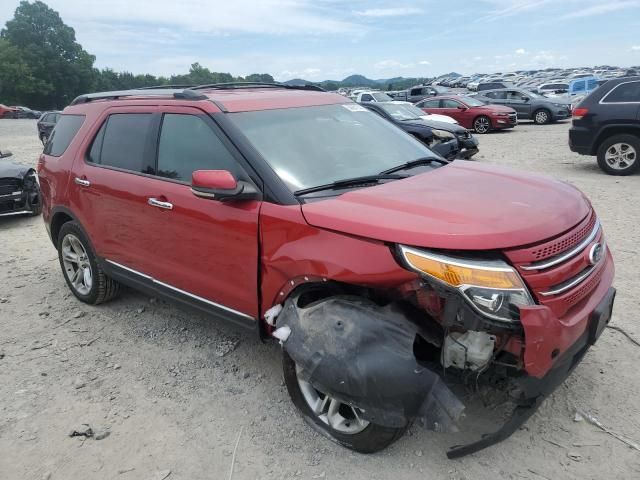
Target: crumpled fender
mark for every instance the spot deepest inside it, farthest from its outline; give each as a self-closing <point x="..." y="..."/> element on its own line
<point x="362" y="354"/>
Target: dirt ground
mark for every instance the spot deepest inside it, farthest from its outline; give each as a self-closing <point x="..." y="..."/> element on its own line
<point x="175" y="392"/>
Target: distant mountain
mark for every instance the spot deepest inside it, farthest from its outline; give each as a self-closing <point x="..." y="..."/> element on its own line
<point x="359" y="80"/>
<point x="297" y="81"/>
<point x="362" y="81"/>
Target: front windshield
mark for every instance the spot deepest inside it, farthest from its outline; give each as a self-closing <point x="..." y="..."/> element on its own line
<point x="472" y="102"/>
<point x="402" y="112"/>
<point x="311" y="146"/>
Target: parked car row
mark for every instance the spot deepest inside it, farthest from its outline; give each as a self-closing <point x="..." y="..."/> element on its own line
<point x="18" y="112"/>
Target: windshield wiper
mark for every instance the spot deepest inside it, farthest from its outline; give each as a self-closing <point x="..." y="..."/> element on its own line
<point x="350" y="182"/>
<point x="414" y="163"/>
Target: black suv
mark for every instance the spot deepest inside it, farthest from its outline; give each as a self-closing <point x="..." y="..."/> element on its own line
<point x="607" y="124"/>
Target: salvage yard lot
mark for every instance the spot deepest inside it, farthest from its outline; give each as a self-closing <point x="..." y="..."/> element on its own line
<point x="174" y="390"/>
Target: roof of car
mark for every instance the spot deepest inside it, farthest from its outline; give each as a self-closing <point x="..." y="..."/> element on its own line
<point x="244" y="97"/>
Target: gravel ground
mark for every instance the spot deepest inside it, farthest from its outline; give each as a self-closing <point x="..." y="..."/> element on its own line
<point x="171" y="393"/>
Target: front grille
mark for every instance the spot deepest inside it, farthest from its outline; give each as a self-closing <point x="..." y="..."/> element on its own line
<point x="558" y="271"/>
<point x="9" y="185"/>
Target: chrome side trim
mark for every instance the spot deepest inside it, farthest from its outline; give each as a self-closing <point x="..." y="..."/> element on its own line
<point x="487" y="265"/>
<point x="183" y="292"/>
<point x="567" y="255"/>
<point x="603" y="102"/>
<point x="130" y="270"/>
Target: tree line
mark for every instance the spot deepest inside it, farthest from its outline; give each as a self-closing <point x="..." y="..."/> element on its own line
<point x="42" y="66"/>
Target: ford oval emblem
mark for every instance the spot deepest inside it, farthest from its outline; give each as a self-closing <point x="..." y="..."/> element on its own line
<point x="595" y="254"/>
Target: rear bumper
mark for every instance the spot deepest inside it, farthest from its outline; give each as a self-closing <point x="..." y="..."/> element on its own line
<point x="581" y="140"/>
<point x="534" y="390"/>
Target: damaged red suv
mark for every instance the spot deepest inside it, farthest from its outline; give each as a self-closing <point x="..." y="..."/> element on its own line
<point x="389" y="275"/>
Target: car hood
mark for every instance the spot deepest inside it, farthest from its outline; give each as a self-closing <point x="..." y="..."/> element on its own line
<point x="11" y="169"/>
<point x="460" y="206"/>
<point x="448" y="127"/>
<point x="438" y="118"/>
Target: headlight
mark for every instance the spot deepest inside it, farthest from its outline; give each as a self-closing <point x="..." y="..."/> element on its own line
<point x="560" y="105"/>
<point x="443" y="135"/>
<point x="492" y="287"/>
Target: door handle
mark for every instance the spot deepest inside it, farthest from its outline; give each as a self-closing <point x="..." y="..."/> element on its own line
<point x="154" y="202"/>
<point x="82" y="182"/>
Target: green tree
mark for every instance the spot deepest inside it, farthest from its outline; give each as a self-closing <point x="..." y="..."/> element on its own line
<point x="17" y="79"/>
<point x="49" y="50"/>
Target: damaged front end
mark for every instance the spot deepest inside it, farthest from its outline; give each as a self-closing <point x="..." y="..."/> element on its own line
<point x="362" y="354"/>
<point x="399" y="356"/>
<point x="19" y="189"/>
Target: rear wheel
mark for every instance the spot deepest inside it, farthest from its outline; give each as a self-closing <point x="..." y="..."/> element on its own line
<point x="482" y="124"/>
<point x="337" y="420"/>
<point x="83" y="275"/>
<point x="618" y="155"/>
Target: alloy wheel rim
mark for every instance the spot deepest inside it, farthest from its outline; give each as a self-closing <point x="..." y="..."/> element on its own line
<point x="338" y="415"/>
<point x="76" y="264"/>
<point x="620" y="156"/>
<point x="482" y="125"/>
<point x="541" y="117"/>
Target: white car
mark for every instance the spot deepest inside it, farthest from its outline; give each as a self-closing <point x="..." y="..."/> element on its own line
<point x="424" y="115"/>
<point x="371" y="96"/>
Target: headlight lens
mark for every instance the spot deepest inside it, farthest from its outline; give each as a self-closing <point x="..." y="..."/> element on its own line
<point x="492" y="287"/>
<point x="442" y="135"/>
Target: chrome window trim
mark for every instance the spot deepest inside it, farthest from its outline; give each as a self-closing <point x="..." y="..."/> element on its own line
<point x="565" y="256"/>
<point x="602" y="100"/>
<point x="176" y="289"/>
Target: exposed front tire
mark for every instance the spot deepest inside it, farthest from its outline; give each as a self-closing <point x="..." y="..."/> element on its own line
<point x="337" y="420"/>
<point x="618" y="155"/>
<point x="542" y="116"/>
<point x="482" y="124"/>
<point x="83" y="275"/>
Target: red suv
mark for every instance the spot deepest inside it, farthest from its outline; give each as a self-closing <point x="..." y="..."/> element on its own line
<point x="472" y="113"/>
<point x="297" y="213"/>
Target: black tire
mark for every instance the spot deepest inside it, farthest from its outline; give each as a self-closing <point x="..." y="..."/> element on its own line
<point x="36" y="209"/>
<point x="103" y="288"/>
<point x="370" y="440"/>
<point x="632" y="143"/>
<point x="542" y="116"/>
<point x="482" y="124"/>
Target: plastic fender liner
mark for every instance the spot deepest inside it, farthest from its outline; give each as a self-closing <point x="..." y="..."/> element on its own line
<point x="362" y="354"/>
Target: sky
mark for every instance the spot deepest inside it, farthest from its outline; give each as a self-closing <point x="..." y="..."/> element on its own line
<point x="329" y="39"/>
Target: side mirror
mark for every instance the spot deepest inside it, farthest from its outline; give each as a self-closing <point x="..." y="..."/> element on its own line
<point x="526" y="99"/>
<point x="220" y="185"/>
<point x="462" y="108"/>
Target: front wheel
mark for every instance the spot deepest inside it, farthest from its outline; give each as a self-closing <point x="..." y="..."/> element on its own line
<point x="482" y="125"/>
<point x="337" y="420"/>
<point x="618" y="155"/>
<point x="541" y="117"/>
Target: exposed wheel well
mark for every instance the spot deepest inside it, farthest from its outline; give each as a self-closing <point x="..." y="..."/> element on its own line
<point x="57" y="221"/>
<point x="609" y="132"/>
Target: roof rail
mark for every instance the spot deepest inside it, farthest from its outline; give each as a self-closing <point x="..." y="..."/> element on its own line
<point x="184" y="94"/>
<point x="232" y="85"/>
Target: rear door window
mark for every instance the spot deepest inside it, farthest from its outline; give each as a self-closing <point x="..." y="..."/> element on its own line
<point x="63" y="133"/>
<point x="122" y="143"/>
<point x="430" y="104"/>
<point x="624" y="92"/>
<point x="188" y="144"/>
